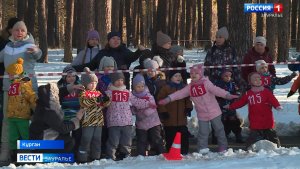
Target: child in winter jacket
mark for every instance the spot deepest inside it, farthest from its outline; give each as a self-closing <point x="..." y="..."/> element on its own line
<point x="21" y="100"/>
<point x="90" y="51"/>
<point x="92" y="121"/>
<point x="148" y="126"/>
<point x="202" y="92"/>
<point x="268" y="80"/>
<point x="230" y="119"/>
<point x="260" y="102"/>
<point x="174" y="114"/>
<point x="119" y="116"/>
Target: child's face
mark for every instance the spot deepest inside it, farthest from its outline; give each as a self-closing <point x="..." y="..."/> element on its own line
<point x="263" y="69"/>
<point x="92" y="86"/>
<point x="139" y="87"/>
<point x="255" y="80"/>
<point x="70" y="78"/>
<point x="227" y="77"/>
<point x="176" y="78"/>
<point x="18" y="33"/>
<point x="151" y="74"/>
<point x="119" y="83"/>
<point x="167" y="45"/>
<point x="195" y="76"/>
<point x="220" y="41"/>
<point x="93" y="42"/>
<point x="107" y="68"/>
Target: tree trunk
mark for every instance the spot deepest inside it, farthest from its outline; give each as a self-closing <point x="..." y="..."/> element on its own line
<point x="128" y="22"/>
<point x="174" y="19"/>
<point x="115" y="10"/>
<point x="102" y="22"/>
<point x="200" y="24"/>
<point x="272" y="29"/>
<point x="259" y="22"/>
<point x="283" y="32"/>
<point x="161" y="16"/>
<point x="68" y="34"/>
<point x="222" y="13"/>
<point x="51" y="23"/>
<point x="241" y="40"/>
<point x="42" y="30"/>
<point x="194" y="23"/>
<point x="1" y="14"/>
<point x="154" y="13"/>
<point x="30" y="18"/>
<point x="294" y="22"/>
<point x="21" y="9"/>
<point x="188" y="19"/>
<point x="182" y="24"/>
<point x="121" y="15"/>
<point x="207" y="19"/>
<point x="298" y="32"/>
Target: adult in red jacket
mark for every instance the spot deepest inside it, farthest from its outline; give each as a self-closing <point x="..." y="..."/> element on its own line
<point x="258" y="52"/>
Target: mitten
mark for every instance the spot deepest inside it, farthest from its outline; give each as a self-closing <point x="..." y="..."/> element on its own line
<point x="76" y="122"/>
<point x="164" y="115"/>
<point x="226" y="106"/>
<point x="180" y="58"/>
<point x="279" y="108"/>
<point x="188" y="112"/>
<point x="164" y="101"/>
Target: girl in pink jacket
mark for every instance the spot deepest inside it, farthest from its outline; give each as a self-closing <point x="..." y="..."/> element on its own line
<point x="119" y="116"/>
<point x="203" y="93"/>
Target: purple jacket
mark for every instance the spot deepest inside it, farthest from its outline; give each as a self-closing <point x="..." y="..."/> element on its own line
<point x="119" y="112"/>
<point x="203" y="94"/>
<point x="148" y="117"/>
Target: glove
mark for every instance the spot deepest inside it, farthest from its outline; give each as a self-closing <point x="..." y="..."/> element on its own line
<point x="152" y="105"/>
<point x="279" y="108"/>
<point x="188" y="112"/>
<point x="164" y="115"/>
<point x="226" y="106"/>
<point x="180" y="58"/>
<point x="230" y="96"/>
<point x="164" y="101"/>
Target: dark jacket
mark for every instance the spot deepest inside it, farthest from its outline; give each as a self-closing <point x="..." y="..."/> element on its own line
<point x="48" y="120"/>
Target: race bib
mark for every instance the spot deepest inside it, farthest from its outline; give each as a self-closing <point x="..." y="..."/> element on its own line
<point x="91" y="94"/>
<point x="14" y="89"/>
<point x="197" y="90"/>
<point x="120" y="96"/>
<point x="72" y="95"/>
<point x="266" y="80"/>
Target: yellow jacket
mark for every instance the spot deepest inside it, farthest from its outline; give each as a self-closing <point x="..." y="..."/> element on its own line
<point x="21" y="98"/>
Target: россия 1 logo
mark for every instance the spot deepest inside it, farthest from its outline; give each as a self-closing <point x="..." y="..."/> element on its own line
<point x="263" y="8"/>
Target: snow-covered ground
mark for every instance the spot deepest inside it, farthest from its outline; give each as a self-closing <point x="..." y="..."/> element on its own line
<point x="287" y="123"/>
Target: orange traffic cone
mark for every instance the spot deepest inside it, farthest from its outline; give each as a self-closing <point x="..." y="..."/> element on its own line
<point x="174" y="153"/>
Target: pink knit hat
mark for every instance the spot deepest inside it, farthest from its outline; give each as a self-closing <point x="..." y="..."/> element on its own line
<point x="198" y="68"/>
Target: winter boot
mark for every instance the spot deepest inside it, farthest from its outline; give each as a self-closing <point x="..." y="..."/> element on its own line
<point x="239" y="139"/>
<point x="82" y="157"/>
<point x="95" y="156"/>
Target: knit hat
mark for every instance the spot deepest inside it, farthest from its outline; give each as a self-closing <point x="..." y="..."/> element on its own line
<point x="294" y="67"/>
<point x="93" y="34"/>
<point x="144" y="55"/>
<point x="11" y="22"/>
<point x="20" y="24"/>
<point x="162" y="38"/>
<point x="112" y="34"/>
<point x="260" y="39"/>
<point x="139" y="78"/>
<point x="223" y="32"/>
<point x="68" y="69"/>
<point x="88" y="77"/>
<point x="15" y="68"/>
<point x="107" y="61"/>
<point x="150" y="64"/>
<point x="259" y="64"/>
<point x="173" y="72"/>
<point x="116" y="76"/>
<point x="198" y="68"/>
<point x="175" y="49"/>
<point x="225" y="71"/>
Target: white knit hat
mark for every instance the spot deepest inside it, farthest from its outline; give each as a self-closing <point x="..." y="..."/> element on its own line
<point x="259" y="64"/>
<point x="260" y="39"/>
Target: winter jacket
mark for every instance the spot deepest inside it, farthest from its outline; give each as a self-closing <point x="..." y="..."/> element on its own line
<point x="85" y="56"/>
<point x="70" y="101"/>
<point x="232" y="88"/>
<point x="155" y="84"/>
<point x="269" y="81"/>
<point x="253" y="56"/>
<point x="93" y="115"/>
<point x="103" y="82"/>
<point x="166" y="55"/>
<point x="48" y="120"/>
<point x="122" y="55"/>
<point x="3" y="43"/>
<point x="21" y="99"/>
<point x="176" y="109"/>
<point x="203" y="94"/>
<point x="148" y="117"/>
<point x="18" y="49"/>
<point x="119" y="112"/>
<point x="259" y="108"/>
<point x="221" y="55"/>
